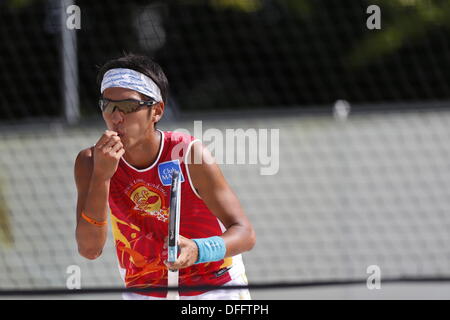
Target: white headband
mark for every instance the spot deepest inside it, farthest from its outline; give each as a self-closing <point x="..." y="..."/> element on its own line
<point x="131" y="79"/>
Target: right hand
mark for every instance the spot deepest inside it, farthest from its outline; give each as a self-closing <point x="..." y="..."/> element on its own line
<point x="107" y="152"/>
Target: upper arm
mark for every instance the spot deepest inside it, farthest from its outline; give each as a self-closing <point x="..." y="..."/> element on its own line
<point x="82" y="173"/>
<point x="208" y="180"/>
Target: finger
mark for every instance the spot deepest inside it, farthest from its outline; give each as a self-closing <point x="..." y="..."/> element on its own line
<point x="178" y="264"/>
<point x="184" y="263"/>
<point x="111" y="132"/>
<point x="165" y="242"/>
<point x="120" y="153"/>
<point x="105" y="137"/>
<point x="184" y="260"/>
<point x="115" y="148"/>
<point x="170" y="266"/>
<point x="109" y="144"/>
<point x="114" y="138"/>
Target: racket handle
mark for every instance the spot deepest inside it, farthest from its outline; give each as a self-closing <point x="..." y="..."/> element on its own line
<point x="172" y="254"/>
<point x="172" y="281"/>
<point x="172" y="295"/>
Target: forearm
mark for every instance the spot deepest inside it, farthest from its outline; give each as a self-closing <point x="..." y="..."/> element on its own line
<point x="238" y="238"/>
<point x="91" y="238"/>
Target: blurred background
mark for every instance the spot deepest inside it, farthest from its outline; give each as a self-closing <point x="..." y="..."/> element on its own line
<point x="363" y="118"/>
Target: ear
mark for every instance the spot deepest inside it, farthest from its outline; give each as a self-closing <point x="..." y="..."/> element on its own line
<point x="158" y="111"/>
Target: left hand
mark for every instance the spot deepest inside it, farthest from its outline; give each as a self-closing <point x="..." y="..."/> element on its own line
<point x="188" y="254"/>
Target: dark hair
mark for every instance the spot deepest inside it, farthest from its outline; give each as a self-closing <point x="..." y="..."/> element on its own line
<point x="142" y="64"/>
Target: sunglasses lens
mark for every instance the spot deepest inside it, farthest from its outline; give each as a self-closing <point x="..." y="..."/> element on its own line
<point x="123" y="106"/>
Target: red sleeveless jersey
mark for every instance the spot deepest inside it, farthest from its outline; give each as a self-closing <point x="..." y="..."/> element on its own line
<point x="139" y="203"/>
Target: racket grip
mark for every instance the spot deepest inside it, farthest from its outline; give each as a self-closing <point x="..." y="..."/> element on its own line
<point x="172" y="254"/>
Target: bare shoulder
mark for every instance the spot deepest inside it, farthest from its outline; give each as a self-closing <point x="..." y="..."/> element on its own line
<point x="85" y="157"/>
<point x="199" y="154"/>
<point x="84" y="164"/>
<point x="204" y="171"/>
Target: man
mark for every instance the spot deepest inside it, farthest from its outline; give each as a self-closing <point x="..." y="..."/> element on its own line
<point x="129" y="171"/>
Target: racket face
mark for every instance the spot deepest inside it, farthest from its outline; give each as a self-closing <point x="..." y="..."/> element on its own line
<point x="173" y="218"/>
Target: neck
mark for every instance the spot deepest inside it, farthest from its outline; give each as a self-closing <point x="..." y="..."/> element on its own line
<point x="145" y="152"/>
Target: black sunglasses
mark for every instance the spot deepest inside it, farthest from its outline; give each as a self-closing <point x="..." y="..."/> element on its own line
<point x="125" y="106"/>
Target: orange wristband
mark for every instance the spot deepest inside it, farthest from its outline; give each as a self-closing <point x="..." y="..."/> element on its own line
<point x="94" y="222"/>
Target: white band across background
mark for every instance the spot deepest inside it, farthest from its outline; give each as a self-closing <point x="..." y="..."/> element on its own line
<point x="131" y="79"/>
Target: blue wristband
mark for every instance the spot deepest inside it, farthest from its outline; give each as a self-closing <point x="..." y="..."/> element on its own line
<point x="210" y="249"/>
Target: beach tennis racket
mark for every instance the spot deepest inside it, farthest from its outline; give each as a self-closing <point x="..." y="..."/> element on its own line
<point x="173" y="234"/>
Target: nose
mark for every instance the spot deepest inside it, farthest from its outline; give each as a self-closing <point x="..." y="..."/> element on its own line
<point x="117" y="116"/>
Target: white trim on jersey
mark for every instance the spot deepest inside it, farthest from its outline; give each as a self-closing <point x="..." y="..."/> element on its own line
<point x="187" y="167"/>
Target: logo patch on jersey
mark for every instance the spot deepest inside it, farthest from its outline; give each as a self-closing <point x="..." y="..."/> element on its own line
<point x="165" y="170"/>
<point x="148" y="201"/>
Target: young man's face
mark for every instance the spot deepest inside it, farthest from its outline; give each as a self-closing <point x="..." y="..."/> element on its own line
<point x="135" y="126"/>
